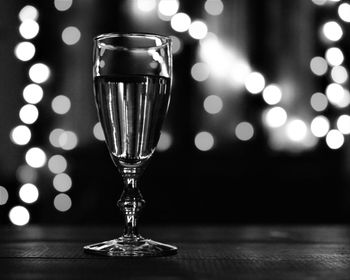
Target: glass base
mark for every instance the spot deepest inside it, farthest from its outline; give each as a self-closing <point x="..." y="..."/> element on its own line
<point x="131" y="247"/>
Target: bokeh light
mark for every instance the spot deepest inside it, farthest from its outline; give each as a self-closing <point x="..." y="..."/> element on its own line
<point x="19" y="216"/>
<point x="343" y="124"/>
<point x="98" y="132"/>
<point x="33" y="93"/>
<point x="332" y="31"/>
<point x="204" y="141"/>
<point x="55" y="136"/>
<point x="320" y="126"/>
<point x="200" y="71"/>
<point x="68" y="140"/>
<point x="244" y="131"/>
<point x="275" y="117"/>
<point x="296" y="130"/>
<point x="339" y="74"/>
<point x="28" y="114"/>
<point x="198" y="29"/>
<point x="4" y="195"/>
<point x="214" y="7"/>
<point x="168" y="8"/>
<point x="29" y="193"/>
<point x="57" y="164"/>
<point x="35" y="157"/>
<point x="272" y="94"/>
<point x="39" y="73"/>
<point x="62" y="182"/>
<point x="318" y="66"/>
<point x="319" y="2"/>
<point x="180" y="22"/>
<point x="319" y="101"/>
<point x="146" y="5"/>
<point x="71" y="35"/>
<point x="334" y="56"/>
<point x="213" y="104"/>
<point x="20" y="135"/>
<point x="254" y="82"/>
<point x="61" y="104"/>
<point x="25" y="51"/>
<point x="334" y="139"/>
<point x="29" y="29"/>
<point x="336" y="94"/>
<point x="26" y="174"/>
<point x="63" y="5"/>
<point x="28" y="12"/>
<point x="62" y="202"/>
<point x="344" y="12"/>
<point x="164" y="142"/>
<point x="176" y="44"/>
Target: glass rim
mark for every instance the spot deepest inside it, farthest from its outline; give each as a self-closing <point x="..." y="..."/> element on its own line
<point x="164" y="40"/>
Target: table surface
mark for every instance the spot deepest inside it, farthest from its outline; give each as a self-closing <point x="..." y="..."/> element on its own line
<point x="205" y="252"/>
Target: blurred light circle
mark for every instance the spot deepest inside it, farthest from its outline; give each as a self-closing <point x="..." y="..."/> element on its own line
<point x="344" y="12"/>
<point x="57" y="164"/>
<point x="26" y="174"/>
<point x="275" y="117"/>
<point x="254" y="82"/>
<point x="4" y="195"/>
<point x="180" y="22"/>
<point x="28" y="113"/>
<point x="61" y="104"/>
<point x="213" y="104"/>
<point x="98" y="132"/>
<point x="19" y="216"/>
<point x="62" y="182"/>
<point x="164" y="142"/>
<point x="35" y="157"/>
<point x="71" y="35"/>
<point x="168" y="8"/>
<point x="296" y="130"/>
<point x="28" y="12"/>
<point x="29" y="193"/>
<point x="214" y="7"/>
<point x="21" y="135"/>
<point x="54" y="137"/>
<point x="318" y="66"/>
<point x="334" y="56"/>
<point x="204" y="141"/>
<point x="332" y="31"/>
<point x="319" y="2"/>
<point x="146" y="5"/>
<point x="200" y="71"/>
<point x="319" y="101"/>
<point x="343" y="124"/>
<point x="176" y="44"/>
<point x="244" y="131"/>
<point x="39" y="73"/>
<point x="25" y="51"/>
<point x="33" y="93"/>
<point x="320" y="126"/>
<point x="63" y="5"/>
<point x="198" y="29"/>
<point x="68" y="140"/>
<point x="334" y="139"/>
<point x="339" y="74"/>
<point x="62" y="202"/>
<point x="272" y="94"/>
<point x="335" y="94"/>
<point x="29" y="29"/>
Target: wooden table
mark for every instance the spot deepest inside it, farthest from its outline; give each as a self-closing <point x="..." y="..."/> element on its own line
<point x="205" y="252"/>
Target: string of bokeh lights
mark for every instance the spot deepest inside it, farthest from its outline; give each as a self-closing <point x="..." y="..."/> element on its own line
<point x="286" y="131"/>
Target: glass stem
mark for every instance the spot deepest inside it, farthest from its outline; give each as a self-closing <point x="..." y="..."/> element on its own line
<point x="130" y="203"/>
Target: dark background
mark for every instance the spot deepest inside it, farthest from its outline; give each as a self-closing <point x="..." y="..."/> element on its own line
<point x="260" y="180"/>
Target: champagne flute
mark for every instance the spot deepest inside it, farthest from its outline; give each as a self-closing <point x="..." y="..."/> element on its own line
<point x="132" y="79"/>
